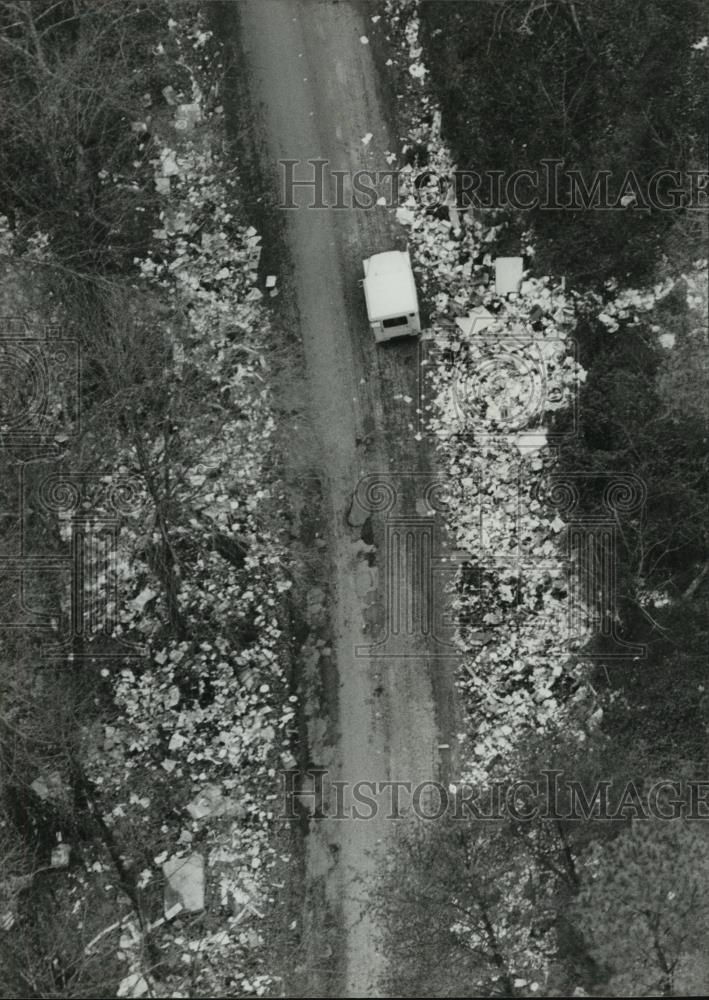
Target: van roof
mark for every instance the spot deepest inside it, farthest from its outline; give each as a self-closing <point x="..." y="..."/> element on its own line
<point x="389" y="287"/>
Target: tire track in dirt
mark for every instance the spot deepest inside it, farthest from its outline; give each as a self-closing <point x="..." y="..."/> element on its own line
<point x="314" y="89"/>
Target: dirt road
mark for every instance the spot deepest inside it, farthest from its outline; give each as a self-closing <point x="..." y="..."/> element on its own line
<point x="314" y="85"/>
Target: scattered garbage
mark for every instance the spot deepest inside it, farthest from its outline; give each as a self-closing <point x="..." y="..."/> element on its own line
<point x="608" y="321"/>
<point x="204" y="256"/>
<point x="169" y="94"/>
<point x="531" y="441"/>
<point x="60" y="856"/>
<point x="144" y="597"/>
<point x="500" y="362"/>
<point x="130" y="936"/>
<point x="134" y="985"/>
<point x="49" y="786"/>
<point x="187" y="116"/>
<point x="207" y="803"/>
<point x="476" y="321"/>
<point x="405" y="216"/>
<point x="168" y="163"/>
<point x="244" y="905"/>
<point x="251" y="939"/>
<point x="366" y="139"/>
<point x="212" y="802"/>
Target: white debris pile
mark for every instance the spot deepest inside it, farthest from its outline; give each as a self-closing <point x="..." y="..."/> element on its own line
<point x="212" y="801"/>
<point x="50" y="785"/>
<point x="500" y="367"/>
<point x="617" y="307"/>
<point x="628" y="304"/>
<point x="209" y="716"/>
<point x="501" y="371"/>
<point x="416" y="68"/>
<point x="493" y="392"/>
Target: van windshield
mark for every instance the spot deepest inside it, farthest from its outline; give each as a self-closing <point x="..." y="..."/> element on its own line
<point x="394" y="321"/>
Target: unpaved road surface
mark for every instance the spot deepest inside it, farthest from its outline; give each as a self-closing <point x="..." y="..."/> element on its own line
<point x="314" y="90"/>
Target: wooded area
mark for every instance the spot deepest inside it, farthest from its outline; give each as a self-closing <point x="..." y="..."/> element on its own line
<point x="144" y="673"/>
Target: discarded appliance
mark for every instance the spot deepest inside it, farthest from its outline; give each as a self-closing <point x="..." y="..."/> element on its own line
<point x="390" y="294"/>
<point x="508" y="274"/>
<point x="184" y="884"/>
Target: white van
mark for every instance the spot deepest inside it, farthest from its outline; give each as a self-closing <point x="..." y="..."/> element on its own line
<point x="390" y="294"/>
